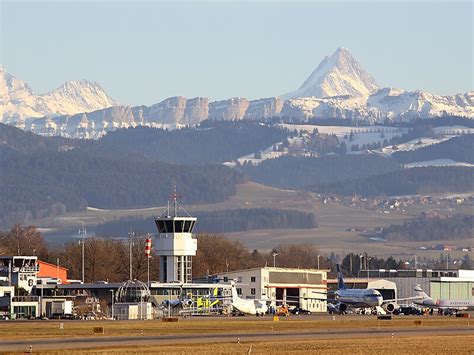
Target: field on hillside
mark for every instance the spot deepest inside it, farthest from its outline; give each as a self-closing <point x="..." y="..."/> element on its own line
<point x="335" y="232"/>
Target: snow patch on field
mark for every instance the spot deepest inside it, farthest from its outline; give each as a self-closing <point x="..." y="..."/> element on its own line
<point x="437" y="162"/>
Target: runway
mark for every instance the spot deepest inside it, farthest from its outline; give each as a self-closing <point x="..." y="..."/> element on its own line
<point x="21" y="345"/>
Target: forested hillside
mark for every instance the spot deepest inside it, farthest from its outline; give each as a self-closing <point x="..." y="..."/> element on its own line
<point x="404" y="182"/>
<point x="49" y="183"/>
<point x="429" y="228"/>
<point x="212" y="142"/>
<point x="296" y="172"/>
<point x="225" y="221"/>
<point x="460" y="149"/>
<point x="22" y="141"/>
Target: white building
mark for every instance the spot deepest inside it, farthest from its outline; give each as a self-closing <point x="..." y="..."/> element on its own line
<point x="297" y="287"/>
<point x="21" y="271"/>
<point x="175" y="245"/>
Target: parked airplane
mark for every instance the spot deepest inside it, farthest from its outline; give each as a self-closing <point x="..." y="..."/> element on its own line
<point x="426" y="301"/>
<point x="358" y="298"/>
<point x="251" y="306"/>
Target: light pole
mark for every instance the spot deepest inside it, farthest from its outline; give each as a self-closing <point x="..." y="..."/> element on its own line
<point x="113" y="296"/>
<point x="318" y="261"/>
<point x="131" y="235"/>
<point x="82" y="232"/>
<point x="274" y="256"/>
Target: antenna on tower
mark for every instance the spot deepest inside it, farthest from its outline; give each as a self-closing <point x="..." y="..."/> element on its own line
<point x="174" y="205"/>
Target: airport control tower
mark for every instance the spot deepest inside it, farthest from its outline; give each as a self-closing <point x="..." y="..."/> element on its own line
<point x="175" y="244"/>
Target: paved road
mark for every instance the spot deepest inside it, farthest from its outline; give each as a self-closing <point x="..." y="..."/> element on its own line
<point x="109" y="341"/>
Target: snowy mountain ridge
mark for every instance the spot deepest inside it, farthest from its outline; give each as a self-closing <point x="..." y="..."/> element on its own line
<point x="339" y="88"/>
<point x="18" y="102"/>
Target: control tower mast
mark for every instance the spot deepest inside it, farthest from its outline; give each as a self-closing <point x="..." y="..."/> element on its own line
<point x="175" y="244"/>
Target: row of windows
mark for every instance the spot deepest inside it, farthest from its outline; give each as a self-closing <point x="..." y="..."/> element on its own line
<point x="239" y="279"/>
<point x="175" y="226"/>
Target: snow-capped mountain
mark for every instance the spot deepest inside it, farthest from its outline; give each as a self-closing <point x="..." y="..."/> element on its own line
<point x="171" y="113"/>
<point x="337" y="75"/>
<point x="385" y="104"/>
<point x="338" y="88"/>
<point x="18" y="102"/>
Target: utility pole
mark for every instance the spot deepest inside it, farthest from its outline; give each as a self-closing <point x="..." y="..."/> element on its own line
<point x="131" y="235"/>
<point x="113" y="296"/>
<point x="82" y="232"/>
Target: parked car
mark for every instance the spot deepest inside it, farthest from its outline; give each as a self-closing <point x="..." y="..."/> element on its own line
<point x="408" y="310"/>
<point x="299" y="310"/>
<point x="64" y="316"/>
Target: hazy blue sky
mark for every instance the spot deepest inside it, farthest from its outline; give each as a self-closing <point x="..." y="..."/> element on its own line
<point x="142" y="53"/>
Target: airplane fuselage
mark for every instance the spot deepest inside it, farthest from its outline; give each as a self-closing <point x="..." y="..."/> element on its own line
<point x="359" y="298"/>
<point x="444" y="303"/>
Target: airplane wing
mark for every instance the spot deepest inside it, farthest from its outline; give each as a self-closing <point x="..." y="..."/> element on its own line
<point x="402" y="299"/>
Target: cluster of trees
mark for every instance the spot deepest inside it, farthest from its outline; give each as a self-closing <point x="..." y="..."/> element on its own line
<point x="298" y="172"/>
<point x="213" y="142"/>
<point x="352" y="263"/>
<point x="223" y="221"/>
<point x="429" y="227"/>
<point x="324" y="144"/>
<point x="108" y="259"/>
<point x="459" y="149"/>
<point x="404" y="182"/>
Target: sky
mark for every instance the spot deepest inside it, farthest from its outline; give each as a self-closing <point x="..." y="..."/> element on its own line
<point x="144" y="52"/>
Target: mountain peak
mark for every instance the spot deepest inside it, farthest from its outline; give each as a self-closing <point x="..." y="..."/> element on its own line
<point x="337" y="75"/>
<point x="88" y="95"/>
<point x="18" y="102"/>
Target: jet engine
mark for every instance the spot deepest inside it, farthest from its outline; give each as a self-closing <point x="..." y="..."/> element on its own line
<point x="390" y="307"/>
<point x="340" y="308"/>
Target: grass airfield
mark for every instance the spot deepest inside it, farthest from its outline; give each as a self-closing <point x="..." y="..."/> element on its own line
<point x="316" y="333"/>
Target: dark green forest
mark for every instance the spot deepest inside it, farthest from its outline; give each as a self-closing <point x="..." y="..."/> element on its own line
<point x="213" y="142"/>
<point x="49" y="183"/>
<point x="430" y="228"/>
<point x="297" y="172"/>
<point x="404" y="182"/>
<point x="458" y="148"/>
<point x="219" y="221"/>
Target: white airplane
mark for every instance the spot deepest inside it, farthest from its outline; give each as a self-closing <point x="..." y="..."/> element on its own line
<point x="251" y="306"/>
<point x="426" y="301"/>
<point x="359" y="298"/>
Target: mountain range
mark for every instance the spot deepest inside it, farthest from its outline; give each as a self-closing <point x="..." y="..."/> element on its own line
<point x="339" y="88"/>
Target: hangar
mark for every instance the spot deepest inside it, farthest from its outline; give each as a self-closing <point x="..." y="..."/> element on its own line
<point x="298" y="287"/>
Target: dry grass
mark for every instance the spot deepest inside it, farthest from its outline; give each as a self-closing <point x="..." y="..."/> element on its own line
<point x="46" y="329"/>
<point x="418" y="345"/>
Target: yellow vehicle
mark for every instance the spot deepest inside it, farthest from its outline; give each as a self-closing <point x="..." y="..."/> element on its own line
<point x="283" y="311"/>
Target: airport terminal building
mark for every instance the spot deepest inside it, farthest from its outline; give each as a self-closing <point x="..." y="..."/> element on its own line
<point x="444" y="284"/>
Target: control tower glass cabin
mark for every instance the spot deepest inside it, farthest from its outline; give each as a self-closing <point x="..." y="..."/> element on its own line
<point x="175" y="244"/>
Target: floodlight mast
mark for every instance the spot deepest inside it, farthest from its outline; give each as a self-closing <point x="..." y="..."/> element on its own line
<point x="82" y="232"/>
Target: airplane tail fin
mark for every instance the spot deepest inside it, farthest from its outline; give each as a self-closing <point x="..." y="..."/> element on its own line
<point x="420" y="293"/>
<point x="340" y="279"/>
<point x="235" y="296"/>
